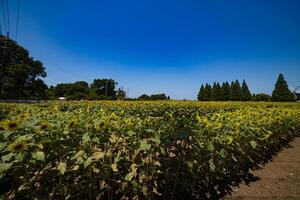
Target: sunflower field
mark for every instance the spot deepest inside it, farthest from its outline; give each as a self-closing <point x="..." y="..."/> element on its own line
<point x="137" y="150"/>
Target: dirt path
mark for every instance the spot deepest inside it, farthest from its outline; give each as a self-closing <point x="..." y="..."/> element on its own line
<point x="278" y="179"/>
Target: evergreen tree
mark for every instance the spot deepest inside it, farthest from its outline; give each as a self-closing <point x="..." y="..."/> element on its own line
<point x="218" y="92"/>
<point x="281" y="91"/>
<point x="246" y="95"/>
<point x="201" y="94"/>
<point x="213" y="92"/>
<point x="225" y="91"/>
<point x="207" y="93"/>
<point x="236" y="91"/>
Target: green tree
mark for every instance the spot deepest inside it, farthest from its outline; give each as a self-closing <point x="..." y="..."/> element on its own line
<point x="201" y="94"/>
<point x="261" y="97"/>
<point x="281" y="91"/>
<point x="62" y="89"/>
<point x="246" y="95"/>
<point x="236" y="91"/>
<point x="218" y="92"/>
<point x="20" y="74"/>
<point x="144" y="97"/>
<point x="213" y="96"/>
<point x="78" y="91"/>
<point x="104" y="88"/>
<point x="225" y="91"/>
<point x="207" y="89"/>
<point x="159" y="97"/>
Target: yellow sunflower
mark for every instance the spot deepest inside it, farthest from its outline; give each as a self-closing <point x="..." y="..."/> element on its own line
<point x="10" y="125"/>
<point x="43" y="126"/>
<point x="17" y="147"/>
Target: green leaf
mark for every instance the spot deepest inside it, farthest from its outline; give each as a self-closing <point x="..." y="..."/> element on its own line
<point x="144" y="145"/>
<point x="212" y="165"/>
<point x="5" y="166"/>
<point x="114" y="167"/>
<point x="117" y="158"/>
<point x="87" y="162"/>
<point x="128" y="177"/>
<point x="86" y="138"/>
<point x="223" y="153"/>
<point x="2" y="146"/>
<point x="156" y="140"/>
<point x="77" y="155"/>
<point x="210" y="147"/>
<point x="163" y="151"/>
<point x="62" y="167"/>
<point x="7" y="157"/>
<point x="98" y="155"/>
<point x="253" y="144"/>
<point x="39" y="155"/>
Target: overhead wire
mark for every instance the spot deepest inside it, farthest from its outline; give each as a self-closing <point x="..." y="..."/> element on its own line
<point x="7" y="11"/>
<point x="4" y="16"/>
<point x="17" y="23"/>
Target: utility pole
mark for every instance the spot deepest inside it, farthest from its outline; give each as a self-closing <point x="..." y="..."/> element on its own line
<point x="106" y="87"/>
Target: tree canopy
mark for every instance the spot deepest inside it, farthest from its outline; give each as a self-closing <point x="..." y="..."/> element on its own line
<point x="281" y="91"/>
<point x="233" y="92"/>
<point x="20" y="74"/>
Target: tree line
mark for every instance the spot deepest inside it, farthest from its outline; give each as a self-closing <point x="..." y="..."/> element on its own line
<point x="99" y="89"/>
<point x="237" y="92"/>
<point x="21" y="77"/>
<point x="224" y="92"/>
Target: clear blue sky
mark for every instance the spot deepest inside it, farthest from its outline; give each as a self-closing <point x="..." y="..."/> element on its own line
<point x="158" y="46"/>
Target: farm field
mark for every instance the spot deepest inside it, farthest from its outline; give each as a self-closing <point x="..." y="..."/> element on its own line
<point x="137" y="149"/>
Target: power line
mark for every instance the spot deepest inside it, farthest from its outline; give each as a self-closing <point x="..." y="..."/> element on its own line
<point x="18" y="13"/>
<point x="7" y="10"/>
<point x="4" y="15"/>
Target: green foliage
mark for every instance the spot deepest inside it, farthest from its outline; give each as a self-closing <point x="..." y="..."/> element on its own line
<point x="154" y="97"/>
<point x="261" y="97"/>
<point x="144" y="97"/>
<point x="236" y="91"/>
<point x="225" y="91"/>
<point x="201" y="94"/>
<point x="246" y="95"/>
<point x="101" y="89"/>
<point x="104" y="87"/>
<point x="159" y="97"/>
<point x="19" y="73"/>
<point x="136" y="150"/>
<point x="281" y="91"/>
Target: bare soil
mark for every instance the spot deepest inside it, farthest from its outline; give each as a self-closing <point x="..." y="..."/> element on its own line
<point x="278" y="179"/>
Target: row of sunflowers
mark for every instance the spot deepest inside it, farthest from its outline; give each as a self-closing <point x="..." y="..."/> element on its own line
<point x="137" y="150"/>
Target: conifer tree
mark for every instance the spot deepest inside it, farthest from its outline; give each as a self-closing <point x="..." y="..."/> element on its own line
<point x="246" y="95"/>
<point x="236" y="91"/>
<point x="201" y="94"/>
<point x="281" y="91"/>
<point x="218" y="92"/>
<point x="213" y="92"/>
<point x="207" y="92"/>
<point x="225" y="91"/>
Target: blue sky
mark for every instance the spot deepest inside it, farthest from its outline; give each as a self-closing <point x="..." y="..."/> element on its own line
<point x="163" y="46"/>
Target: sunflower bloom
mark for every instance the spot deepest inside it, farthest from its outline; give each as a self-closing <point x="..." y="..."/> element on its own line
<point x="18" y="147"/>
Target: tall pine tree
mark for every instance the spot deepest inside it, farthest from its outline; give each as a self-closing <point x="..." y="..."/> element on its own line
<point x="246" y="95"/>
<point x="225" y="91"/>
<point x="207" y="92"/>
<point x="201" y="94"/>
<point x="213" y="92"/>
<point x="235" y="91"/>
<point x="281" y="91"/>
<point x="218" y="92"/>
